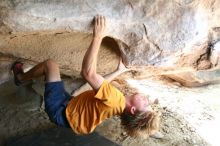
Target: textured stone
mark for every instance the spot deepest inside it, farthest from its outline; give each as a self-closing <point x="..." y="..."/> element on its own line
<point x="191" y="78"/>
<point x="5" y="63"/>
<point x="149" y="32"/>
<point x="67" y="49"/>
<point x="174" y="34"/>
<point x="60" y="136"/>
<point x="215" y="57"/>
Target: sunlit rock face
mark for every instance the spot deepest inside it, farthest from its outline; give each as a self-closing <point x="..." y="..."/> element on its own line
<point x="174" y="34"/>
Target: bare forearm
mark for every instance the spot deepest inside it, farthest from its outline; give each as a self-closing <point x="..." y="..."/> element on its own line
<point x="90" y="58"/>
<point x="82" y="89"/>
<point x="111" y="76"/>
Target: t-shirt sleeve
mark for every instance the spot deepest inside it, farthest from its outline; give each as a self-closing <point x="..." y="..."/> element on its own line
<point x="110" y="95"/>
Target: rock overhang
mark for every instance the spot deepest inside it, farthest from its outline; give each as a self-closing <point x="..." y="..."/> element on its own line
<point x="148" y="33"/>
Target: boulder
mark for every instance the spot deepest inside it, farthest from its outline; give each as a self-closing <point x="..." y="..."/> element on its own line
<point x="172" y="34"/>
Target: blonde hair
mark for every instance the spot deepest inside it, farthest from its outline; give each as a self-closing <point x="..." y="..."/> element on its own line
<point x="140" y="122"/>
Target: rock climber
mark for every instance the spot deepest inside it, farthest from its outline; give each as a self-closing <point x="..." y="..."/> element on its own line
<point x="87" y="110"/>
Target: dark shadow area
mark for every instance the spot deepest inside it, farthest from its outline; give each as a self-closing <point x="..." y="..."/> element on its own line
<point x="14" y="96"/>
<point x="110" y="43"/>
<point x="60" y="137"/>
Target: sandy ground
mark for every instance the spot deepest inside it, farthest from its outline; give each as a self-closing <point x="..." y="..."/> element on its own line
<point x="189" y="116"/>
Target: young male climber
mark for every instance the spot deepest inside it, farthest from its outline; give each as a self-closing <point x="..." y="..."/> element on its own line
<point x="87" y="110"/>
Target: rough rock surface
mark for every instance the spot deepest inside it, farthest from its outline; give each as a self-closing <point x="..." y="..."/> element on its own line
<point x="174" y="34"/>
<point x="65" y="48"/>
<point x="148" y="32"/>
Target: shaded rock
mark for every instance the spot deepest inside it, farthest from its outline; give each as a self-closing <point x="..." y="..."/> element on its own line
<point x="13" y="96"/>
<point x="60" y="136"/>
<point x="5" y="65"/>
<point x="215" y="58"/>
<point x="196" y="78"/>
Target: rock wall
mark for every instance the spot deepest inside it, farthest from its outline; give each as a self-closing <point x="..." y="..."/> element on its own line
<point x="176" y="34"/>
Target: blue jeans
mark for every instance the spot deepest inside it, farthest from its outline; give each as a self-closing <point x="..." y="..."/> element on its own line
<point x="56" y="99"/>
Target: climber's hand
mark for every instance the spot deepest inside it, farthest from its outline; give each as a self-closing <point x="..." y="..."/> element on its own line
<point x="99" y="30"/>
<point x="122" y="67"/>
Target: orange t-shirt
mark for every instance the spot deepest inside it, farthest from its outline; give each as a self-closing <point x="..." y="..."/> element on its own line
<point x="85" y="111"/>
